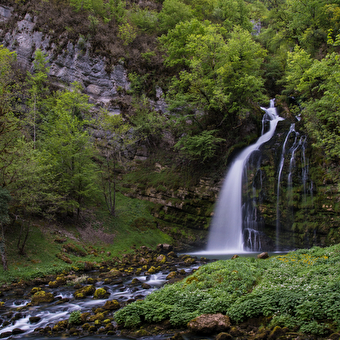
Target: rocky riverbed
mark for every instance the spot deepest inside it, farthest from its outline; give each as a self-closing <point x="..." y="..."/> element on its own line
<point x="83" y="303"/>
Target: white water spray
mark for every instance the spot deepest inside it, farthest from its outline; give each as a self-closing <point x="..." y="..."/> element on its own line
<point x="226" y="228"/>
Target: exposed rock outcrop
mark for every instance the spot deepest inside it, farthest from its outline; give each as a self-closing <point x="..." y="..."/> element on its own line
<point x="209" y="324"/>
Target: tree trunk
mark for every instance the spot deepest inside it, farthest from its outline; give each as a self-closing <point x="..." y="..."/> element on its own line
<point x="21" y="247"/>
<point x="3" y="249"/>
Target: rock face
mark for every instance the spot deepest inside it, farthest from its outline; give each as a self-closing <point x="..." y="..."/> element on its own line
<point x="306" y="211"/>
<point x="73" y="63"/>
<point x="209" y="324"/>
<point x="189" y="209"/>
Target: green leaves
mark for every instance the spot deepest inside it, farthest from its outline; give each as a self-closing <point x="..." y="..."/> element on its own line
<point x="67" y="148"/>
<point x="201" y="146"/>
<point x="317" y="83"/>
<point x="222" y="75"/>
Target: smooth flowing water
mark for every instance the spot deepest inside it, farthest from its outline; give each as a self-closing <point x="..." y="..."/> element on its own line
<point x="226" y="234"/>
<point x="16" y="315"/>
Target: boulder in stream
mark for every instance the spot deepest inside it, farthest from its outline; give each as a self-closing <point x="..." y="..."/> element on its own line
<point x="81" y="293"/>
<point x="42" y="297"/>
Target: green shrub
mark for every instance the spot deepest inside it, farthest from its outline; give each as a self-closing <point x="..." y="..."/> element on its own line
<point x="145" y="20"/>
<point x="75" y="317"/>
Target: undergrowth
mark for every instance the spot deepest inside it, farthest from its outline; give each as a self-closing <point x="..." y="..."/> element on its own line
<point x="297" y="290"/>
<point x="126" y="230"/>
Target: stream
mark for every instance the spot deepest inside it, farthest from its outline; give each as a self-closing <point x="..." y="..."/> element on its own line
<point x="18" y="321"/>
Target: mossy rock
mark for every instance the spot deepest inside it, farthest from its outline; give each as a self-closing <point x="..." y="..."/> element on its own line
<point x="84" y="291"/>
<point x="98" y="323"/>
<point x="86" y="326"/>
<point x="42" y="297"/>
<point x="101" y="293"/>
<point x="114" y="273"/>
<point x="85" y="316"/>
<point x="111" y="305"/>
<point x="53" y="284"/>
<point x="161" y="259"/>
<point x="34" y="290"/>
<point x="60" y="326"/>
<point x="152" y="270"/>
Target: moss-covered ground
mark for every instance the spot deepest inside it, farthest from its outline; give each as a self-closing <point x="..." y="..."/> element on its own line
<point x="95" y="237"/>
<point x="299" y="290"/>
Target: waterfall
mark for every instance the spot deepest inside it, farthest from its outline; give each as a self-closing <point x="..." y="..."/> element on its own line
<point x="226" y="227"/>
<point x="282" y="160"/>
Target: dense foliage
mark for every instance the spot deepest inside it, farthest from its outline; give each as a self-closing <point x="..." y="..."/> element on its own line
<point x="298" y="289"/>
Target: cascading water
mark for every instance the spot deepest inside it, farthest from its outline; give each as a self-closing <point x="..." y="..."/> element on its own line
<point x="226" y="233"/>
<point x="282" y="160"/>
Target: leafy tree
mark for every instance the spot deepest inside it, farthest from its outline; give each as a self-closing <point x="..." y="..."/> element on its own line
<point x="9" y="124"/>
<point x="173" y="12"/>
<point x="317" y="86"/>
<point x="175" y="42"/>
<point x="233" y="12"/>
<point x="66" y="146"/>
<point x="202" y="9"/>
<point x="199" y="147"/>
<point x="110" y="146"/>
<point x="222" y="77"/>
<point x="145" y="19"/>
<point x="149" y="125"/>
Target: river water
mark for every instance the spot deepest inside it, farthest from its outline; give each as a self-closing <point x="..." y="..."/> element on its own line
<point x="16" y="315"/>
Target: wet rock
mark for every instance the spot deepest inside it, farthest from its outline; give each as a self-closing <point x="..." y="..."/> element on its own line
<point x="171" y="275"/>
<point x="145" y="286"/>
<point x="112" y="273"/>
<point x="19" y="292"/>
<point x="101" y="293"/>
<point x="276" y="333"/>
<point x="223" y="336"/>
<point x="261" y="334"/>
<point x="189" y="261"/>
<point x="84" y="291"/>
<point x="140" y="333"/>
<point x="152" y="270"/>
<point x="59" y="326"/>
<point x="209" y="323"/>
<point x="164" y="247"/>
<point x="161" y="259"/>
<point x="85" y="326"/>
<point x="34" y="290"/>
<point x="235" y="257"/>
<point x="111" y="305"/>
<point x="172" y="254"/>
<point x="42" y="297"/>
<point x="17" y="316"/>
<point x="263" y="255"/>
<point x="5" y="334"/>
